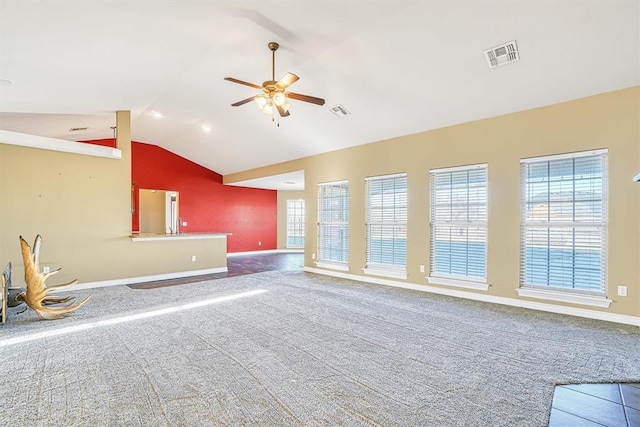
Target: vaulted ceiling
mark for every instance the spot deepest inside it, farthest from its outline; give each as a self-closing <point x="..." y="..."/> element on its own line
<point x="398" y="67"/>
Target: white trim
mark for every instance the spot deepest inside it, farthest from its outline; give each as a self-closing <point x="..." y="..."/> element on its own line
<point x="54" y="144"/>
<point x="142" y="279"/>
<point x="290" y="251"/>
<point x="637" y="178"/>
<point x="560" y="296"/>
<point x="514" y="302"/>
<point x="333" y="266"/>
<point x="460" y="168"/>
<point x="393" y="175"/>
<point x="384" y="272"/>
<point x="344" y="181"/>
<point x="448" y="281"/>
<point x="267" y="251"/>
<point x="264" y="252"/>
<point x="572" y="155"/>
<point x="186" y="236"/>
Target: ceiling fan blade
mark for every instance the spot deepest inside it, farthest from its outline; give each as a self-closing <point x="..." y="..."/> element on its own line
<point x="231" y="79"/>
<point x="305" y="98"/>
<point x="244" y="101"/>
<point x="282" y="111"/>
<point x="287" y="80"/>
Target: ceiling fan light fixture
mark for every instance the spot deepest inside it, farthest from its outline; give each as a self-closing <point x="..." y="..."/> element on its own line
<point x="279" y="98"/>
<point x="260" y="101"/>
<point x="268" y="109"/>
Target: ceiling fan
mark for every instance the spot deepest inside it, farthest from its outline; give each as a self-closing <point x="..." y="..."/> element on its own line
<point x="274" y="93"/>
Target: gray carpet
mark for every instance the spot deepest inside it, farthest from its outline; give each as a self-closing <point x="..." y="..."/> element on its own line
<point x="311" y="350"/>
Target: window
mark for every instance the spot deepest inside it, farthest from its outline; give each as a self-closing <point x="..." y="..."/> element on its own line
<point x="564" y="227"/>
<point x="295" y="223"/>
<point x="386" y="223"/>
<point x="333" y="225"/>
<point x="459" y="226"/>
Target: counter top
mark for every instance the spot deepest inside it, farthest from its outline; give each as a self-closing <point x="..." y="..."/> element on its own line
<point x="139" y="237"/>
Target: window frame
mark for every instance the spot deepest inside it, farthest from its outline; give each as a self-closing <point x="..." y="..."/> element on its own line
<point x="380" y="268"/>
<point x="298" y="222"/>
<point x="341" y="226"/>
<point x="451" y="279"/>
<point x="599" y="223"/>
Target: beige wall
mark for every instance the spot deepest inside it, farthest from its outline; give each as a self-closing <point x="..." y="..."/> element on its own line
<point x="604" y="121"/>
<point x="81" y="205"/>
<point x="152" y="211"/>
<point x="283" y="196"/>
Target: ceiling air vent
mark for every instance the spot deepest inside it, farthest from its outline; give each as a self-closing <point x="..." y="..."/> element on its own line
<point x="77" y="129"/>
<point x="339" y="111"/>
<point x="503" y="54"/>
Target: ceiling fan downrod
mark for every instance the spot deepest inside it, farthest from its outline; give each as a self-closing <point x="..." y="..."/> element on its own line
<point x="273" y="46"/>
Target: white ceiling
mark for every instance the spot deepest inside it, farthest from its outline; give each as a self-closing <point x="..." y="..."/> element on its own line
<point x="399" y="67"/>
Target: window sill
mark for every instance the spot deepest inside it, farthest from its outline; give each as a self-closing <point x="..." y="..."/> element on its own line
<point x="559" y="296"/>
<point x="333" y="266"/>
<point x="396" y="274"/>
<point x="468" y="284"/>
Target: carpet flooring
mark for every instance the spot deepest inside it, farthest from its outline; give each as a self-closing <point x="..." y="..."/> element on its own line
<point x="291" y="348"/>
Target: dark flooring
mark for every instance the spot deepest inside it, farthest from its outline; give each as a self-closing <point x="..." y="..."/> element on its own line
<point x="614" y="405"/>
<point x="576" y="405"/>
<point x="237" y="265"/>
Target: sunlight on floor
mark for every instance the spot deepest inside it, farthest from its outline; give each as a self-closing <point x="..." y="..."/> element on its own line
<point x="168" y="310"/>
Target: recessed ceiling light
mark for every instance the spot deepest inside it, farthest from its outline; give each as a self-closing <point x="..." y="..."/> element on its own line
<point x="156" y="114"/>
<point x="6" y="82"/>
<point x="206" y="128"/>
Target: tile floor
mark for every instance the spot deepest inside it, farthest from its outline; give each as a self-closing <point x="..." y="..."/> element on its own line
<point x="614" y="405"/>
<point x="237" y="266"/>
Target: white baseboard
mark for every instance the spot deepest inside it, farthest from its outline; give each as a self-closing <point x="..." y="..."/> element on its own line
<point x="552" y="308"/>
<point x="267" y="251"/>
<point x="142" y="279"/>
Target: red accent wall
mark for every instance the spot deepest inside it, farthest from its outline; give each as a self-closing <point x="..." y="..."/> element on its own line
<point x="206" y="204"/>
<point x="107" y="142"/>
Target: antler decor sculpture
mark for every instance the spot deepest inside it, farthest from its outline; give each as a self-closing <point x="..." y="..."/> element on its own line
<point x="36" y="295"/>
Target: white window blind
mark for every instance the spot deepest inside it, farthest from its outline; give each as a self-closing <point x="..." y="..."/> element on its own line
<point x="459" y="223"/>
<point x="295" y="224"/>
<point x="564" y="226"/>
<point x="386" y="222"/>
<point x="333" y="222"/>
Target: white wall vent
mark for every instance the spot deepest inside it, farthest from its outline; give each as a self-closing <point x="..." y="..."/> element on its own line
<point x="503" y="54"/>
<point x="339" y="111"/>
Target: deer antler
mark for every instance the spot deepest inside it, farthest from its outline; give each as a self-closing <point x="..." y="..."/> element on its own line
<point x="36" y="294"/>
